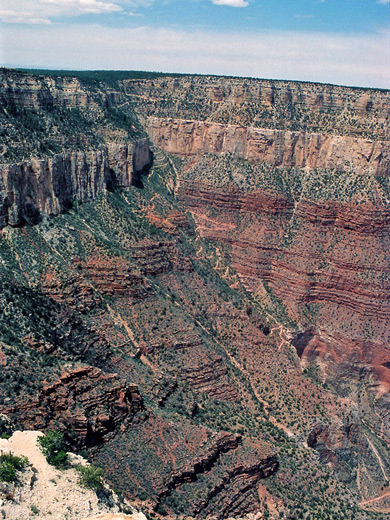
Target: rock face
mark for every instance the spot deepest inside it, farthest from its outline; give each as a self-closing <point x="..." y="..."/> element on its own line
<point x="51" y="186"/>
<point x="85" y="403"/>
<point x="264" y="104"/>
<point x="334" y="442"/>
<point x="274" y="147"/>
<point x="311" y="228"/>
<point x="302" y="234"/>
<point x="346" y="448"/>
<point x="326" y="262"/>
<point x="38" y="92"/>
<point x="230" y="467"/>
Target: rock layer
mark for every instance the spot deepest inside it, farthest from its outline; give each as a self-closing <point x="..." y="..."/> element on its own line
<point x="274" y="147"/>
<point x="86" y="403"/>
<point x="264" y="103"/>
<point x="51" y="185"/>
<point x="30" y="91"/>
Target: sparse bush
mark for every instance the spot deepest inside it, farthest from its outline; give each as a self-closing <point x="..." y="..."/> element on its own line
<point x="7" y="472"/>
<point x="9" y="464"/>
<point x="52" y="446"/>
<point x="91" y="477"/>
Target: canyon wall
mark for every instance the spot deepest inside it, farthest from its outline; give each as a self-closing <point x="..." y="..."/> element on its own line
<point x="51" y="185"/>
<point x="198" y="335"/>
<point x="317" y="238"/>
<point x="261" y="103"/>
<point x="275" y="147"/>
<point x="30" y="91"/>
<point x="325" y="253"/>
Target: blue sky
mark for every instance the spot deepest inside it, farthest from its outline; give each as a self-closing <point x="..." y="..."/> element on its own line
<point x="328" y="16"/>
<point x="336" y="41"/>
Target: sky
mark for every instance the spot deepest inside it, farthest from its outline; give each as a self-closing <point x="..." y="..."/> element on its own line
<point x="344" y="42"/>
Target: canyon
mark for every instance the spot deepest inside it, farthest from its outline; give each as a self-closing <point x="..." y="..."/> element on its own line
<point x="195" y="288"/>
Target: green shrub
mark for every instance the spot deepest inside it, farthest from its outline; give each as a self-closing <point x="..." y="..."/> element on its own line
<point x="53" y="447"/>
<point x="7" y="472"/>
<point x="91" y="477"/>
<point x="9" y="464"/>
<point x="17" y="462"/>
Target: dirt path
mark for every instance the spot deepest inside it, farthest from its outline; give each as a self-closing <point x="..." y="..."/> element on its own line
<point x="376" y="499"/>
<point x="239" y="367"/>
<point x="118" y="318"/>
<point x="54" y="493"/>
<point x="281" y="330"/>
<point x="375" y="451"/>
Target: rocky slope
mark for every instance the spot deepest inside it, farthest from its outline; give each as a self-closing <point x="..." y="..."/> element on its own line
<point x="219" y="337"/>
<point x="84" y="401"/>
<point x="46" y="492"/>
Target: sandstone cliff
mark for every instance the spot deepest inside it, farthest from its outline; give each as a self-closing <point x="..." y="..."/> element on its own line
<point x="275" y="147"/>
<point x="52" y="185"/>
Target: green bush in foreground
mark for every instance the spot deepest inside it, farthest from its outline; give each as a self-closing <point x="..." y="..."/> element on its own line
<point x="91" y="477"/>
<point x="53" y="447"/>
<point x="9" y="464"/>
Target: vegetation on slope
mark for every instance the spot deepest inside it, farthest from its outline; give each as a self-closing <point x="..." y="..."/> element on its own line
<point x="126" y="283"/>
<point x="118" y="227"/>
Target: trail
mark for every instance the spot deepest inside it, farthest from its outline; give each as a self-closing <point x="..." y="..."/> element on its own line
<point x="117" y="317"/>
<point x="375" y="499"/>
<point x="282" y="331"/>
<point x="375" y="451"/>
<point x="239" y="367"/>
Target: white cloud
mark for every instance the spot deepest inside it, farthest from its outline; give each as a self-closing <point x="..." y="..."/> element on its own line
<point x="10" y="16"/>
<point x="44" y="11"/>
<point x="383" y="2"/>
<point x="86" y="6"/>
<point x="332" y="58"/>
<point x="231" y="3"/>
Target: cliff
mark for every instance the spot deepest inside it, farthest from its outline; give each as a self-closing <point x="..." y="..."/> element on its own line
<point x="52" y="185"/>
<point x="28" y="91"/>
<point x="85" y="403"/>
<point x="283" y="105"/>
<point x="274" y="147"/>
